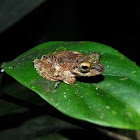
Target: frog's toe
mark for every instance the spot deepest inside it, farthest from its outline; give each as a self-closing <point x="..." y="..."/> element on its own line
<point x="70" y="80"/>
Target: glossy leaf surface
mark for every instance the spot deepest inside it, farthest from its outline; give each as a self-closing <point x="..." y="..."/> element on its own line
<point x="111" y="99"/>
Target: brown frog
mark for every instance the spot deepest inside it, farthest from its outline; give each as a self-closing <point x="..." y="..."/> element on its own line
<point x="66" y="65"/>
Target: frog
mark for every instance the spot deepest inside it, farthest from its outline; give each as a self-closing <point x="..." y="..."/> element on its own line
<point x="65" y="65"/>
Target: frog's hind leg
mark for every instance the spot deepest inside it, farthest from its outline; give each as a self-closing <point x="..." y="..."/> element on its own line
<point x="46" y="70"/>
<point x="43" y="74"/>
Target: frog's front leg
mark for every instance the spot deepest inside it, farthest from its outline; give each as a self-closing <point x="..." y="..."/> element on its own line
<point x="69" y="78"/>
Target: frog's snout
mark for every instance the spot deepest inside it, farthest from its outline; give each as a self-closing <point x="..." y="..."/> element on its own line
<point x="99" y="68"/>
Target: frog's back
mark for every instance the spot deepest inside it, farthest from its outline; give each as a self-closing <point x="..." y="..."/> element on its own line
<point x="64" y="56"/>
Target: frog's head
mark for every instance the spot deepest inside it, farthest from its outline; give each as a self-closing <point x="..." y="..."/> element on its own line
<point x="90" y="65"/>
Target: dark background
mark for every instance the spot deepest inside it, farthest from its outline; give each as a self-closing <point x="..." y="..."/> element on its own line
<point x="114" y="23"/>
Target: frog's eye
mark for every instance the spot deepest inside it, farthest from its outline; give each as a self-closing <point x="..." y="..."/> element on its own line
<point x="95" y="56"/>
<point x="84" y="67"/>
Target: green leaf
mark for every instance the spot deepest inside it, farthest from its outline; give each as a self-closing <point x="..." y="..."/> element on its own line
<point x="112" y="99"/>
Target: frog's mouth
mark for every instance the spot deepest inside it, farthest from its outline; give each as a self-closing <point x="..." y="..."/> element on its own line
<point x="91" y="73"/>
<point x="96" y="70"/>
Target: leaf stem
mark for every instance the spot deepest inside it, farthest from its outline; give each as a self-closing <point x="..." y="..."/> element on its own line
<point x="113" y="135"/>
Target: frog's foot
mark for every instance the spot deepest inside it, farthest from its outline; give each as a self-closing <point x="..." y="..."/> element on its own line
<point x="70" y="80"/>
<point x="56" y="84"/>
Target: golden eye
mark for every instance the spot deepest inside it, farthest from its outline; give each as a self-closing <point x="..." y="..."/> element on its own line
<point x="84" y="67"/>
<point x="85" y="64"/>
